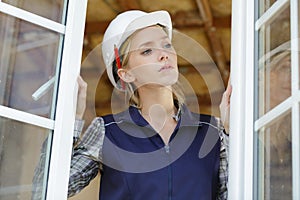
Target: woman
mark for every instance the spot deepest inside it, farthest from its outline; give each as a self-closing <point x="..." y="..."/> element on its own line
<point x="278" y="149"/>
<point x="157" y="148"/>
<point x="156" y="119"/>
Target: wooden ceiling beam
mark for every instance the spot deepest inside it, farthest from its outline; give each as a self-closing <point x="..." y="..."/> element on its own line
<point x="205" y="12"/>
<point x="184" y="19"/>
<point x="218" y="52"/>
<point x="181" y="19"/>
<point x="129" y="5"/>
<point x="222" y="22"/>
<point x="96" y="27"/>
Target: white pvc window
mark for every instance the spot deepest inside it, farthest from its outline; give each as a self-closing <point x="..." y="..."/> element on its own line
<point x="40" y="56"/>
<point x="264" y="126"/>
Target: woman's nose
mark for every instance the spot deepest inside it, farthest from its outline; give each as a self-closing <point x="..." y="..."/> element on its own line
<point x="163" y="55"/>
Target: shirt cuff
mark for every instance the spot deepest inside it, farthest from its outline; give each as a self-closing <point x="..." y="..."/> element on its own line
<point x="78" y="126"/>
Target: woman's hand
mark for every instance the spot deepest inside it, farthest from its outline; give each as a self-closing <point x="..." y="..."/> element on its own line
<point x="225" y="107"/>
<point x="81" y="98"/>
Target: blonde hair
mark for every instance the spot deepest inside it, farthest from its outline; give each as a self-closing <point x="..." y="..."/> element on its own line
<point x="130" y="88"/>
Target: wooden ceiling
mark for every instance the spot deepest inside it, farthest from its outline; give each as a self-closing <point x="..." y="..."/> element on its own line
<point x="199" y="24"/>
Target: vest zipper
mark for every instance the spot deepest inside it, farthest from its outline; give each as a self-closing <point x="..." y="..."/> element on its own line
<point x="167" y="149"/>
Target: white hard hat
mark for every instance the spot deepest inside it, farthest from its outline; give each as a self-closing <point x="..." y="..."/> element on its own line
<point x="123" y="26"/>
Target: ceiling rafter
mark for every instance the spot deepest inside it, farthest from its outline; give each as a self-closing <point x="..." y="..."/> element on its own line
<point x="129" y="5"/>
<point x="210" y="29"/>
<point x="96" y="27"/>
<point x="184" y="19"/>
<point x="181" y="19"/>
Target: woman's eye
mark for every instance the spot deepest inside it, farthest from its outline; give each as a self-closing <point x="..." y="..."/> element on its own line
<point x="168" y="46"/>
<point x="147" y="52"/>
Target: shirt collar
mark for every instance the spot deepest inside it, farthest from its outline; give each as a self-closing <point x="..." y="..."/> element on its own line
<point x="184" y="116"/>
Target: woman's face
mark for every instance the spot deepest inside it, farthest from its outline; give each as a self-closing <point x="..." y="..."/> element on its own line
<point x="152" y="59"/>
<point x="281" y="81"/>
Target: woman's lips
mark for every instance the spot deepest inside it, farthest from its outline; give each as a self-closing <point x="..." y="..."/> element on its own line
<point x="165" y="68"/>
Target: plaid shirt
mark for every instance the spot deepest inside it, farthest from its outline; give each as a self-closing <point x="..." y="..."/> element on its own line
<point x="87" y="157"/>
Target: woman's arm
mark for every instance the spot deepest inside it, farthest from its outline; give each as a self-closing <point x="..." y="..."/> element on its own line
<point x="223" y="168"/>
<point x="87" y="157"/>
<point x="225" y="107"/>
<point x="81" y="98"/>
<point x="85" y="162"/>
<point x="223" y="125"/>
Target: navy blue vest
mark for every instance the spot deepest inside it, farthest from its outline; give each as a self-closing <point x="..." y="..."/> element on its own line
<point x="137" y="165"/>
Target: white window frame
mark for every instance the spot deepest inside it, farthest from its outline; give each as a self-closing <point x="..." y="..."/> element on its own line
<point x="240" y="181"/>
<point x="63" y="125"/>
<point x="65" y="114"/>
<point x="242" y="141"/>
<point x="296" y="97"/>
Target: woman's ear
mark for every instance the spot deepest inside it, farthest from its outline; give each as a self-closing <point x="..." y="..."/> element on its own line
<point x="125" y="75"/>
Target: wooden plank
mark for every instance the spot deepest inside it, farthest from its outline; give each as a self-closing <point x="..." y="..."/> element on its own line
<point x="182" y="19"/>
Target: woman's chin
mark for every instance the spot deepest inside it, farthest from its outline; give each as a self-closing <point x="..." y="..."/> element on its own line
<point x="168" y="81"/>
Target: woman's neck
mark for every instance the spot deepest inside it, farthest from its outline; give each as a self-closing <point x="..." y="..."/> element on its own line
<point x="157" y="107"/>
<point x="156" y="101"/>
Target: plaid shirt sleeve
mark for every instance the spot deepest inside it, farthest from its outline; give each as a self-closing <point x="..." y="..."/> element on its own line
<point x="223" y="169"/>
<point x="87" y="157"/>
<point x="85" y="163"/>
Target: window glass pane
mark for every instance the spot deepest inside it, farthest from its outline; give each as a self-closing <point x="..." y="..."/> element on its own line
<point x="275" y="160"/>
<point x="274" y="63"/>
<point x="20" y="146"/>
<point x="265" y="5"/>
<point x="28" y="59"/>
<point x="52" y="10"/>
<point x="275" y="32"/>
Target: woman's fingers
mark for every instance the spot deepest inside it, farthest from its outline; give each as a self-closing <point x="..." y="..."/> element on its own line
<point x="225" y="107"/>
<point x="81" y="97"/>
